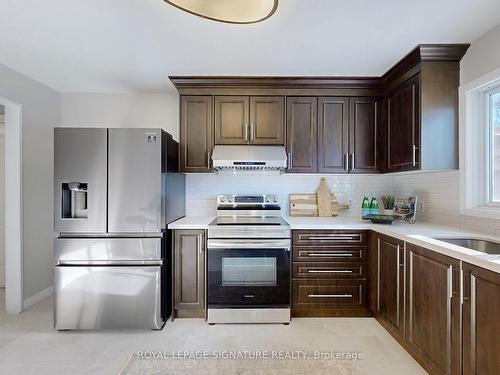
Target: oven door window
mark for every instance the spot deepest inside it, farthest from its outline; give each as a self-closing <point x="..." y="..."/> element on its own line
<point x="248" y="277"/>
<point x="240" y="271"/>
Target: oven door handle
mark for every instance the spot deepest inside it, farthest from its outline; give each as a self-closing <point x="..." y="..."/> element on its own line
<point x="214" y="244"/>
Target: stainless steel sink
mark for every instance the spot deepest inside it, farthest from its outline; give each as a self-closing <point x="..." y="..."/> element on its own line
<point x="484" y="246"/>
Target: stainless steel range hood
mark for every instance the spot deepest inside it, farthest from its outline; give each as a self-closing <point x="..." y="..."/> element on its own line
<point x="249" y="158"/>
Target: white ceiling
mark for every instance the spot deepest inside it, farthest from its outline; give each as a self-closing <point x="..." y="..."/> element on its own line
<point x="134" y="45"/>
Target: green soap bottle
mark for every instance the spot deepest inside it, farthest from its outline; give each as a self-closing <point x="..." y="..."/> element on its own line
<point x="374" y="205"/>
<point x="365" y="206"/>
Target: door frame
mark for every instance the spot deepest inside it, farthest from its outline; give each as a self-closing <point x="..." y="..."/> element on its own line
<point x="13" y="207"/>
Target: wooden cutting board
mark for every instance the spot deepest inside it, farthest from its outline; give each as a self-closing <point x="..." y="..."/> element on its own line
<point x="307" y="205"/>
<point x="324" y="198"/>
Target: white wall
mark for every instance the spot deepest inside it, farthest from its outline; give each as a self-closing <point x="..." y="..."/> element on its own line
<point x="482" y="57"/>
<point x="2" y="196"/>
<point x="122" y="110"/>
<point x="40" y="112"/>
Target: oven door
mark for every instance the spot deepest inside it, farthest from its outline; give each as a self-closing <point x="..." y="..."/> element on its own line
<point x="248" y="273"/>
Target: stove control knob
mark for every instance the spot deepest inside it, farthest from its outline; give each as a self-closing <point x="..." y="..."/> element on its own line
<point x="222" y="199"/>
<point x="230" y="199"/>
<point x="268" y="200"/>
<point x="275" y="199"/>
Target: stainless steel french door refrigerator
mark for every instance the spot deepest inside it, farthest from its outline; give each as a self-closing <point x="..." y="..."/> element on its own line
<point x="115" y="191"/>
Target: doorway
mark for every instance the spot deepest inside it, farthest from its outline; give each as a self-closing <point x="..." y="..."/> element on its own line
<point x="11" y="253"/>
<point x="2" y="199"/>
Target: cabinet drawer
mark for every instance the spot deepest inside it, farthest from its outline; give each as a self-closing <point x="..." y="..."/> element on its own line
<point x="313" y="254"/>
<point x="328" y="238"/>
<point x="329" y="270"/>
<point x="309" y="294"/>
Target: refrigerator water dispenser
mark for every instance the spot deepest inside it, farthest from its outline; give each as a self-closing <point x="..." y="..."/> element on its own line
<point x="74" y="200"/>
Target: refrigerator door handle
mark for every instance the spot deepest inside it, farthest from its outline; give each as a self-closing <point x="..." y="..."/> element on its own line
<point x="109" y="263"/>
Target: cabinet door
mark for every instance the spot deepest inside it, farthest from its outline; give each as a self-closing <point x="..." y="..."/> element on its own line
<point x="403" y="126"/>
<point x="433" y="310"/>
<point x="481" y="327"/>
<point x="196" y="133"/>
<point x="267" y="120"/>
<point x="301" y="126"/>
<point x="189" y="273"/>
<point x="389" y="281"/>
<point x="363" y="124"/>
<point x="231" y="120"/>
<point x="333" y="126"/>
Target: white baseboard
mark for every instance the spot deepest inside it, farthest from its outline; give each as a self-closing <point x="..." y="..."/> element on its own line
<point x="39" y="297"/>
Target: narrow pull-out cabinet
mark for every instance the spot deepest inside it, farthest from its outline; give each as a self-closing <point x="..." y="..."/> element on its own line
<point x="189" y="273"/>
<point x="388" y="265"/>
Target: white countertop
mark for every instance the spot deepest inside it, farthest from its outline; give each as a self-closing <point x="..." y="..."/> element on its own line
<point x="192" y="222"/>
<point x="419" y="234"/>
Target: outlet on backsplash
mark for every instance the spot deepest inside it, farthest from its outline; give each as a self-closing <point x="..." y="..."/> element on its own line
<point x="421" y="206"/>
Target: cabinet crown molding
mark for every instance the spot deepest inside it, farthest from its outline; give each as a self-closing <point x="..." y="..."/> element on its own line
<point x="421" y="53"/>
<point x="426" y="53"/>
<point x="274" y="82"/>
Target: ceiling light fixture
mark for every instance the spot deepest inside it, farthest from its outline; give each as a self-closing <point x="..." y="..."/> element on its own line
<point x="230" y="11"/>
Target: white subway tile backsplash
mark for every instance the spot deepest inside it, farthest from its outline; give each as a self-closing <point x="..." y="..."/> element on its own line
<point x="202" y="189"/>
<point x="438" y="190"/>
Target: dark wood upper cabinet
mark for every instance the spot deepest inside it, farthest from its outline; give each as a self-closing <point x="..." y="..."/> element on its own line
<point x="347" y="134"/>
<point x="189" y="273"/>
<point x="403" y="125"/>
<point x="363" y="135"/>
<point x="390" y="284"/>
<point x="241" y="120"/>
<point x="421" y="109"/>
<point x="267" y="120"/>
<point x="481" y="330"/>
<point x="302" y="126"/>
<point x="433" y="325"/>
<point x="196" y="138"/>
<point x="405" y="120"/>
<point x="231" y="120"/>
<point x="333" y="130"/>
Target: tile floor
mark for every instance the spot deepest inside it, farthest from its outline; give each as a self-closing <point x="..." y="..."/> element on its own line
<point x="29" y="345"/>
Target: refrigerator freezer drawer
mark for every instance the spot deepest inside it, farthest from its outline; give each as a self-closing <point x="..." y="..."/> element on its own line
<point x="67" y="250"/>
<point x="107" y="297"/>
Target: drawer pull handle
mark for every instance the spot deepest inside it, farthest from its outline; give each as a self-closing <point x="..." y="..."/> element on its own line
<point x="334" y="238"/>
<point x="330" y="296"/>
<point x="329" y="271"/>
<point x="330" y="255"/>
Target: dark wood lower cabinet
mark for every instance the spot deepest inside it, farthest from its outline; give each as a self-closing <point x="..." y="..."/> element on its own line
<point x="329" y="273"/>
<point x="389" y="284"/>
<point x="481" y="326"/>
<point x="189" y="274"/>
<point x="323" y="298"/>
<point x="433" y="324"/>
